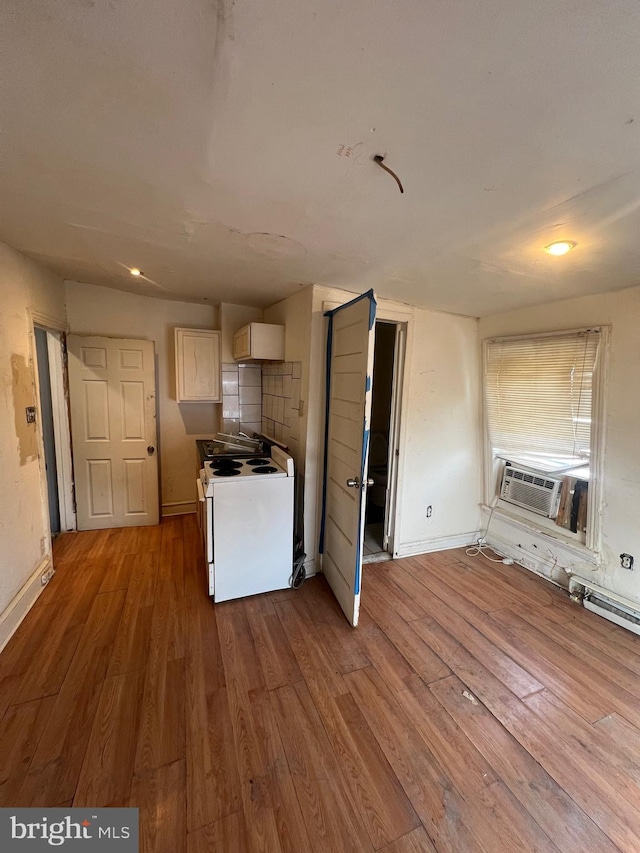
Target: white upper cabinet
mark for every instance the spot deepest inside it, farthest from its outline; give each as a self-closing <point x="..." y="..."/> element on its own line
<point x="259" y="342"/>
<point x="197" y="366"/>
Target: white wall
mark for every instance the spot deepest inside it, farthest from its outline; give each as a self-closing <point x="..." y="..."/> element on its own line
<point x="440" y="419"/>
<point x="24" y="525"/>
<point x="621" y="511"/>
<point x="295" y="315"/>
<point x="440" y="424"/>
<point x="103" y="311"/>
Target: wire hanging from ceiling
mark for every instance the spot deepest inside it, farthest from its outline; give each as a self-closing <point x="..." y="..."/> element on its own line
<point x="378" y="158"/>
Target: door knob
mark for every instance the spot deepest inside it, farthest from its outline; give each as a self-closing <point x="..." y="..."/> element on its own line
<point x="151" y="450"/>
<point x="354" y="482"/>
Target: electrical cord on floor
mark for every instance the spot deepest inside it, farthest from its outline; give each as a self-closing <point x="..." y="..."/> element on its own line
<point x="479" y="549"/>
<point x="298" y="576"/>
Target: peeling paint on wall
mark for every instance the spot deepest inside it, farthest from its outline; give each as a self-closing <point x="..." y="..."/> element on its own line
<point x="23" y="396"/>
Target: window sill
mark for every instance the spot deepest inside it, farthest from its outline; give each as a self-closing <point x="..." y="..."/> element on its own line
<point x="579" y="549"/>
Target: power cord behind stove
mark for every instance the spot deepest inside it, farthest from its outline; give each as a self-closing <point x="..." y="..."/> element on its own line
<point x="298" y="576"/>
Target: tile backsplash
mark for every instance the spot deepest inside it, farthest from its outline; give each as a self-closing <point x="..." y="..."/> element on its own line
<point x="241" y="398"/>
<point x="281" y="402"/>
<point x="263" y="399"/>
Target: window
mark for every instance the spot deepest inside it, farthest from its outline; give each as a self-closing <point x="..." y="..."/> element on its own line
<point x="539" y="395"/>
<point x="544" y="412"/>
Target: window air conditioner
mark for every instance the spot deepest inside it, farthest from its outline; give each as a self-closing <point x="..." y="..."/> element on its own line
<point x="532" y="490"/>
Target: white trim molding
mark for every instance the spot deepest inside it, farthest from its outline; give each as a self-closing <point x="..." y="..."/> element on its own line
<point x="48" y="322"/>
<point x="61" y="432"/>
<point x="178" y="508"/>
<point x="540" y="551"/>
<point x="442" y="543"/>
<point x="23" y="601"/>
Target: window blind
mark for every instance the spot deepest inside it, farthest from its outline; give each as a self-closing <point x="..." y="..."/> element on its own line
<point x="538" y="397"/>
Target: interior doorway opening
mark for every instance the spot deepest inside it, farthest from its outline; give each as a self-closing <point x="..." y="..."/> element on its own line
<point x="53" y="428"/>
<point x="46" y="425"/>
<point x="378" y="535"/>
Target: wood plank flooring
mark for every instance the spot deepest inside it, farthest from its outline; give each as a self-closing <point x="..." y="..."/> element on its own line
<point x="474" y="709"/>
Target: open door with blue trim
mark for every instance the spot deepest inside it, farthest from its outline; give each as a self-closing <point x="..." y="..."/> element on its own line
<point x="350" y="346"/>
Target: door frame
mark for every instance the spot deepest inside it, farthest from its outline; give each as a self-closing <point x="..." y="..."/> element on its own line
<point x="56" y="348"/>
<point x="403" y="320"/>
<point x="395" y="420"/>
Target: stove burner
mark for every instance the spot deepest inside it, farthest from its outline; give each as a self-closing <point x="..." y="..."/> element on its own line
<point x="226" y="472"/>
<point x="258" y="461"/>
<point x="265" y="469"/>
<point x="225" y="464"/>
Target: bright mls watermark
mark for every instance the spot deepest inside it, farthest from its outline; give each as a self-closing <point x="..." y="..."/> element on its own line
<point x="79" y="830"/>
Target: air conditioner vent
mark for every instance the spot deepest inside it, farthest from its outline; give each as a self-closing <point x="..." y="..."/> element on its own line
<point x="531" y="490"/>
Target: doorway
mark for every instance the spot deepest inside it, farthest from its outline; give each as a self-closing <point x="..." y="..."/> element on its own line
<point x="378" y="531"/>
<point x="53" y="427"/>
<point x="347" y="477"/>
<point x="46" y="425"/>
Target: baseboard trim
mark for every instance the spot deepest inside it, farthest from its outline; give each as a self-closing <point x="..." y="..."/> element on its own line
<point x="22" y="603"/>
<point x="442" y="543"/>
<point x="539" y="564"/>
<point x="551" y="539"/>
<point x="178" y="508"/>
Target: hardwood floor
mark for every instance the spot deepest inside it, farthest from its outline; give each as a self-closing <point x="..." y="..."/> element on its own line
<point x="474" y="709"/>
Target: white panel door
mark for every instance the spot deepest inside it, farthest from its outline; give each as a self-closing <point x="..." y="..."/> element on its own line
<point x="113" y="429"/>
<point x="350" y="367"/>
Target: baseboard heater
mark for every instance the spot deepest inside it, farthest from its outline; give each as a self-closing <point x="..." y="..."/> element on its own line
<point x="605" y="603"/>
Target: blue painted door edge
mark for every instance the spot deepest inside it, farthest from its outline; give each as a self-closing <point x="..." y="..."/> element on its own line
<point x="370" y="294"/>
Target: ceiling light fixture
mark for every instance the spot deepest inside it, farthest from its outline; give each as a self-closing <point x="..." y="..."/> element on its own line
<point x="135" y="271"/>
<point x="560" y="248"/>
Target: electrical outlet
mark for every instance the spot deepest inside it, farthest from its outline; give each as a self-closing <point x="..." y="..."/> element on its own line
<point x="626" y="561"/>
<point x="30" y="413"/>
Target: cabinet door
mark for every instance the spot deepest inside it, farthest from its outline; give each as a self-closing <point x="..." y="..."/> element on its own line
<point x="197" y="365"/>
<point x="242" y="342"/>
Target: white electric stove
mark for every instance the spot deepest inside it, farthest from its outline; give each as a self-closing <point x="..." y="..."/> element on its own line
<point x="246" y="516"/>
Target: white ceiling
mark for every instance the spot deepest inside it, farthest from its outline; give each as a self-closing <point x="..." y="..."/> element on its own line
<point x="202" y="141"/>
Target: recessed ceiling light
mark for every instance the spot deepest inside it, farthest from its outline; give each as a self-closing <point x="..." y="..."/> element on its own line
<point x="135" y="271"/>
<point x="560" y="248"/>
